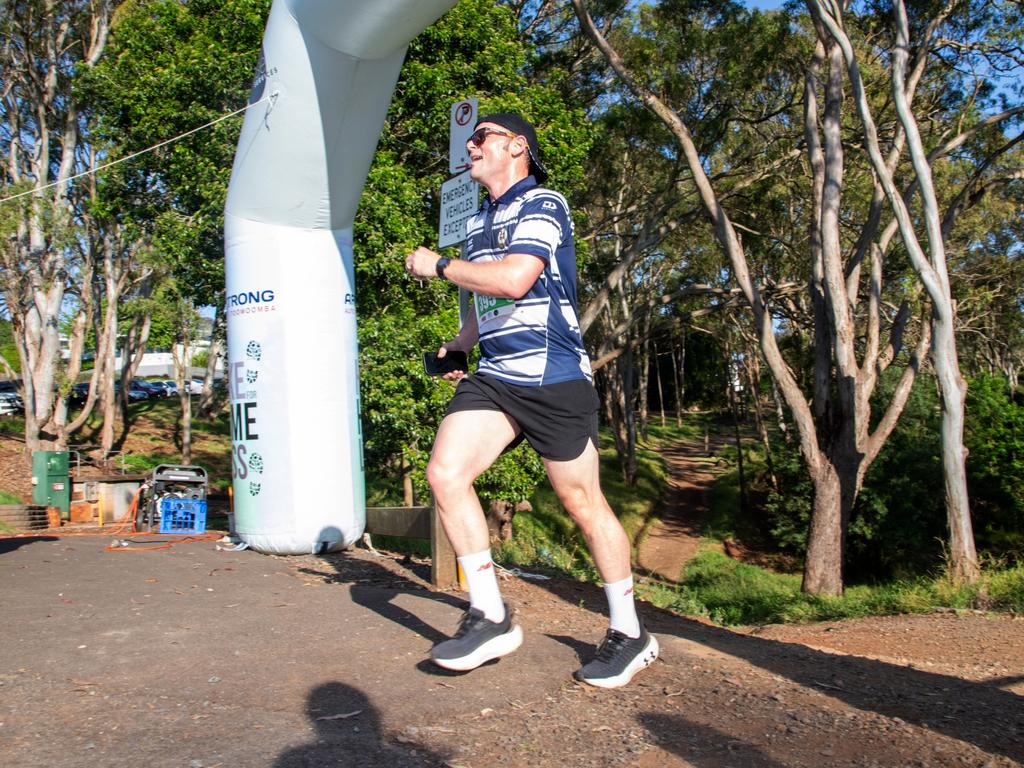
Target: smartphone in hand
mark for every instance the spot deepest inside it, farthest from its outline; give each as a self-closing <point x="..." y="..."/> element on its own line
<point x="452" y="361"/>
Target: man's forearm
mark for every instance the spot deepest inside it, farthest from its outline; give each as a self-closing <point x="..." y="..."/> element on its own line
<point x="508" y="278"/>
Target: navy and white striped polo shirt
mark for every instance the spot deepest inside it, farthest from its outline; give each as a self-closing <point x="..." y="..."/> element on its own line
<point x="536" y="338"/>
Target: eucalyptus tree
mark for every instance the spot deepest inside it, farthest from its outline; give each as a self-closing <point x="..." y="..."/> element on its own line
<point x="173" y="78"/>
<point x="44" y="45"/>
<point x="648" y="250"/>
<point x="970" y="33"/>
<point x="859" y="299"/>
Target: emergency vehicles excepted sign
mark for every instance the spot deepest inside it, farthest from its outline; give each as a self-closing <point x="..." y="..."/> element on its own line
<point x="460" y="199"/>
<point x="462" y="121"/>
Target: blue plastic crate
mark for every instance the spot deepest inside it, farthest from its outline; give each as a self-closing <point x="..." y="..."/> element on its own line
<point x="182" y="515"/>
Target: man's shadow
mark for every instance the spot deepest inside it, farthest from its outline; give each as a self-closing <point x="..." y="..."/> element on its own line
<point x="9" y="544"/>
<point x="348" y="734"/>
<point x="373" y="586"/>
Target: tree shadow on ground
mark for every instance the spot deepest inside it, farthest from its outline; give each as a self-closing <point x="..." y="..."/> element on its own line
<point x="978" y="713"/>
<point x="347" y="732"/>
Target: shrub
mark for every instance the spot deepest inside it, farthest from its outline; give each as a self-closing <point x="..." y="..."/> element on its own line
<point x="994" y="436"/>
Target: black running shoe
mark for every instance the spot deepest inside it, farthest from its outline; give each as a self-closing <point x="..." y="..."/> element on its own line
<point x="619" y="658"/>
<point x="478" y="640"/>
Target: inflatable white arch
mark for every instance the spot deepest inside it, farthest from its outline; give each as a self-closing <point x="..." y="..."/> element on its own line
<point x="326" y="74"/>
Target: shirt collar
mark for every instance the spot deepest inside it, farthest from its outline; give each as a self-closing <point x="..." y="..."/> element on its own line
<point x="511" y="193"/>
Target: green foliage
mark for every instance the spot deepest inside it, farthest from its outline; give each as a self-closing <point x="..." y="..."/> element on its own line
<point x="704" y="375"/>
<point x="9" y="498"/>
<point x="473" y="50"/>
<point x="171" y="67"/>
<point x="898" y="524"/>
<point x="995" y="465"/>
<point x="401" y="406"/>
<point x="1003" y="588"/>
<point x="513" y="477"/>
<point x="787" y="512"/>
<point x="12" y="425"/>
<point x="7" y="348"/>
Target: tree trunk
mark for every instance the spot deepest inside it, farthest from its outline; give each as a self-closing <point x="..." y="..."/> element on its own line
<point x="780" y="413"/>
<point x="41" y="127"/>
<point x="108" y="406"/>
<point x="962" y="554"/>
<point x="180" y="355"/>
<point x="734" y="409"/>
<point x="753" y="370"/>
<point x="661" y="389"/>
<point x="408" y="488"/>
<point x="131" y="357"/>
<point x="629" y="418"/>
<point x="644" y="372"/>
<point x="680" y="373"/>
<point x="206" y="400"/>
<point x="823" y="570"/>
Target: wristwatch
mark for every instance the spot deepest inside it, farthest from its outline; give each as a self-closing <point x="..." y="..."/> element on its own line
<point x="440" y="266"/>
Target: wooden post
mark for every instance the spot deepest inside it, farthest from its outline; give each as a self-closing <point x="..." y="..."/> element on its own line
<point x="443" y="567"/>
<point x="418" y="523"/>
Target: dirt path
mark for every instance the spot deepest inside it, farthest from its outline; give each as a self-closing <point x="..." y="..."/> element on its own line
<point x="194" y="656"/>
<point x="191" y="656"/>
<point x="676" y="537"/>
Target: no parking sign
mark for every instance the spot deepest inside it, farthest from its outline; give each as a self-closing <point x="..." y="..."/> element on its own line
<point x="463" y="119"/>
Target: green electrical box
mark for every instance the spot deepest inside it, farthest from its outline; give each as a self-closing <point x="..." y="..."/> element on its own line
<point x="51" y="481"/>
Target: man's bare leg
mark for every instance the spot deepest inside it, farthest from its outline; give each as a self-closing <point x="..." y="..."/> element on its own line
<point x="467" y="443"/>
<point x="578" y="486"/>
<point x="627" y="647"/>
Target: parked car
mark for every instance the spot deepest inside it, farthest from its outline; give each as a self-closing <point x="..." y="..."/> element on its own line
<point x="171" y="387"/>
<point x="10" y="402"/>
<point x="161" y="388"/>
<point x="194" y="386"/>
<point x="152" y="388"/>
<point x="79" y="393"/>
<point x="134" y="392"/>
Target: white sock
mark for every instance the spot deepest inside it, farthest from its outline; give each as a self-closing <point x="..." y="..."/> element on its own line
<point x="622" y="607"/>
<point x="482" y="581"/>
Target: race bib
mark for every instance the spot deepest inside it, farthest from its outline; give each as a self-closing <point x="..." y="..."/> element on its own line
<point x="490" y="308"/>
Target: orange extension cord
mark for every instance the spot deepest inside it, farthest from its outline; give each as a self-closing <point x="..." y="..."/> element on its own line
<point x="126" y="528"/>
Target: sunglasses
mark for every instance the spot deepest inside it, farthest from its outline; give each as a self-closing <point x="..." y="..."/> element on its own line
<point x="479" y="136"/>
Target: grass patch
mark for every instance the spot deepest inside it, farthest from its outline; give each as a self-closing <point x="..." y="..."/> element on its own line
<point x="144" y="463"/>
<point x="733" y="593"/>
<point x="12" y="425"/>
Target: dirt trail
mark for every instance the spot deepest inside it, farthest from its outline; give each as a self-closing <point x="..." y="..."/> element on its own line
<point x="198" y="656"/>
<point x="676" y="537"/>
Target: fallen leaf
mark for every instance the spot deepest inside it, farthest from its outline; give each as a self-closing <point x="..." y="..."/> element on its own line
<point x="342" y="716"/>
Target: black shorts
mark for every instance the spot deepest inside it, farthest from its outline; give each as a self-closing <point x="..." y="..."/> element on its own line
<point x="557" y="419"/>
